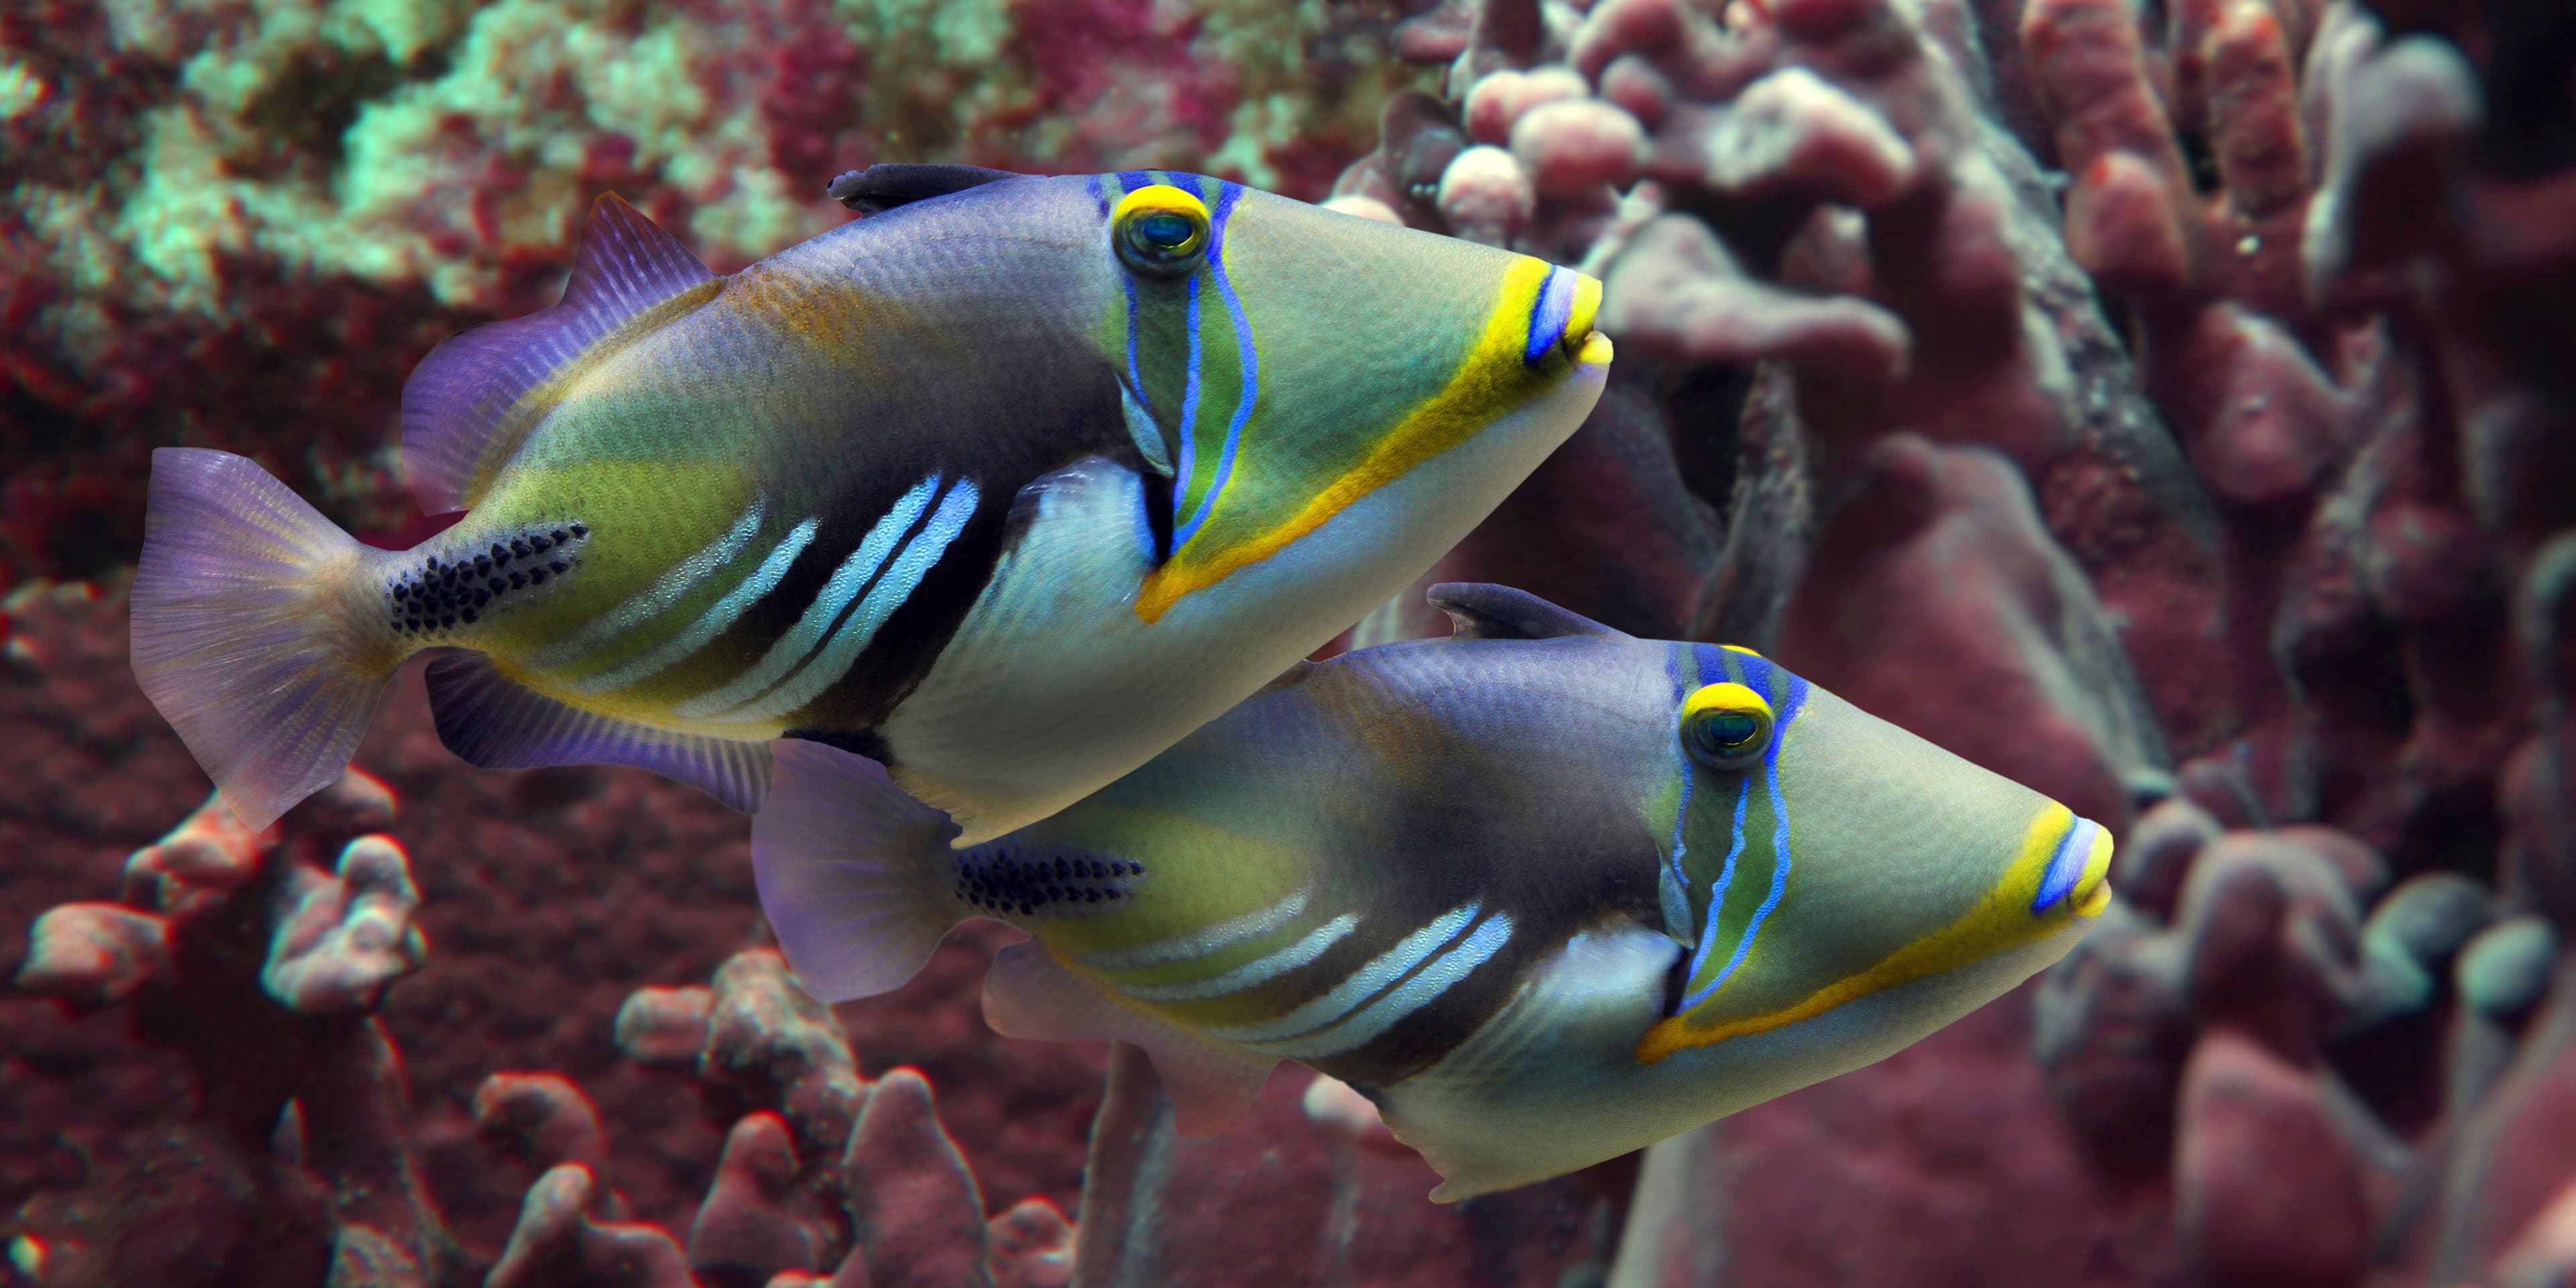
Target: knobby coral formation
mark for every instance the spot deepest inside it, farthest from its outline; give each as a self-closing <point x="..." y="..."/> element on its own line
<point x="2086" y="388"/>
<point x="2162" y="404"/>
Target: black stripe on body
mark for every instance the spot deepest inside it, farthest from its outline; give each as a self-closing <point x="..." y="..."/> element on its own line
<point x="1552" y="879"/>
<point x="1464" y="810"/>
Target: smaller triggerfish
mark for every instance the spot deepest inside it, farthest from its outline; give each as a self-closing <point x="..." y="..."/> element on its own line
<point x="1543" y="891"/>
<point x="1009" y="486"/>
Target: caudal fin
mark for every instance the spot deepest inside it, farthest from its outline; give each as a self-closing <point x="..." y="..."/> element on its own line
<point x="852" y="871"/>
<point x="252" y="630"/>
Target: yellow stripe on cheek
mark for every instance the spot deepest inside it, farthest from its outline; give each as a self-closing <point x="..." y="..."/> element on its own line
<point x="1487" y="383"/>
<point x="2000" y="921"/>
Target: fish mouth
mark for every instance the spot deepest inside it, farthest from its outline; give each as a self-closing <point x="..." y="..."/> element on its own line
<point x="1589" y="348"/>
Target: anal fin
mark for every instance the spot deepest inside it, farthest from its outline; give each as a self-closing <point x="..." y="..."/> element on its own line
<point x="494" y="722"/>
<point x="1029" y="994"/>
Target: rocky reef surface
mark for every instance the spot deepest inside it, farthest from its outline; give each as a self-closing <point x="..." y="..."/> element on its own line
<point x="2167" y="405"/>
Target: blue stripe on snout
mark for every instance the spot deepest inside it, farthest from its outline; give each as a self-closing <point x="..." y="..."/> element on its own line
<point x="1549" y="314"/>
<point x="2065" y="865"/>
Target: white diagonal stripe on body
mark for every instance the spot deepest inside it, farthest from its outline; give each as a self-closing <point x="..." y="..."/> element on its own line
<point x="1374" y="1019"/>
<point x="655" y="599"/>
<point x="842" y="651"/>
<point x="1360" y="985"/>
<point x="1259" y="970"/>
<point x="1199" y="943"/>
<point x="846" y="583"/>
<point x="710" y="624"/>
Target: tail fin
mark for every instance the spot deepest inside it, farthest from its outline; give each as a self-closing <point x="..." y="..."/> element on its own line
<point x="852" y="871"/>
<point x="252" y="633"/>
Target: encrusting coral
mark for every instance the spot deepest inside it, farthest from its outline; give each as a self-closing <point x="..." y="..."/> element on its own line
<point x="196" y="191"/>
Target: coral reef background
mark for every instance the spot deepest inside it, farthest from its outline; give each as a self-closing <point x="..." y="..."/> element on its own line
<point x="2166" y="404"/>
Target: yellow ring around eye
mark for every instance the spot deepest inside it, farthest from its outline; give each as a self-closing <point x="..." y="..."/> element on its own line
<point x="1726" y="697"/>
<point x="1161" y="197"/>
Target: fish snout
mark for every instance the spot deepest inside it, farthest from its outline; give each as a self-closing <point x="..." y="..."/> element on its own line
<point x="2078" y="871"/>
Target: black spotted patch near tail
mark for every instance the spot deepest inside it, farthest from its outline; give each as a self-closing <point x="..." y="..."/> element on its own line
<point x="999" y="880"/>
<point x="427" y="600"/>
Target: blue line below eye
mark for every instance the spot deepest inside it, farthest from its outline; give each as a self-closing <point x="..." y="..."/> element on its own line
<point x="1549" y="313"/>
<point x="1248" y="361"/>
<point x="1135" y="381"/>
<point x="1717" y="904"/>
<point x="1797" y="697"/>
<point x="1189" y="410"/>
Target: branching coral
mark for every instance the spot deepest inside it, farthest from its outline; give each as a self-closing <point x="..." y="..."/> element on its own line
<point x="264" y="969"/>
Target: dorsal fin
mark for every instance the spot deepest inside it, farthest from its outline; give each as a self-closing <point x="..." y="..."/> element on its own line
<point x="884" y="187"/>
<point x="1478" y="611"/>
<point x="463" y="411"/>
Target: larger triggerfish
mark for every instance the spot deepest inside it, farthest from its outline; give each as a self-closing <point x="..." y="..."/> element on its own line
<point x="1008" y="487"/>
<point x="1545" y="892"/>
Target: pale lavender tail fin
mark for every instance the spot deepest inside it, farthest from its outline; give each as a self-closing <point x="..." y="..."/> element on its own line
<point x="853" y="873"/>
<point x="251" y="632"/>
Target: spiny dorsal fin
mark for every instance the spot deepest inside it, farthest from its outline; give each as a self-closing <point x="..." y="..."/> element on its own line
<point x="1478" y="611"/>
<point x="884" y="187"/>
<point x="462" y="410"/>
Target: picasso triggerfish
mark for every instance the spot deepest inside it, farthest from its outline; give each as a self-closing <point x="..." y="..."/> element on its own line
<point x="1007" y="487"/>
<point x="1545" y="892"/>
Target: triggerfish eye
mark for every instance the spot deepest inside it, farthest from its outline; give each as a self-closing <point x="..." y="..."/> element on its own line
<point x="1726" y="726"/>
<point x="1161" y="230"/>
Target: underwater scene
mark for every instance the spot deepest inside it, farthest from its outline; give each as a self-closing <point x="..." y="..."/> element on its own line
<point x="1246" y="643"/>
